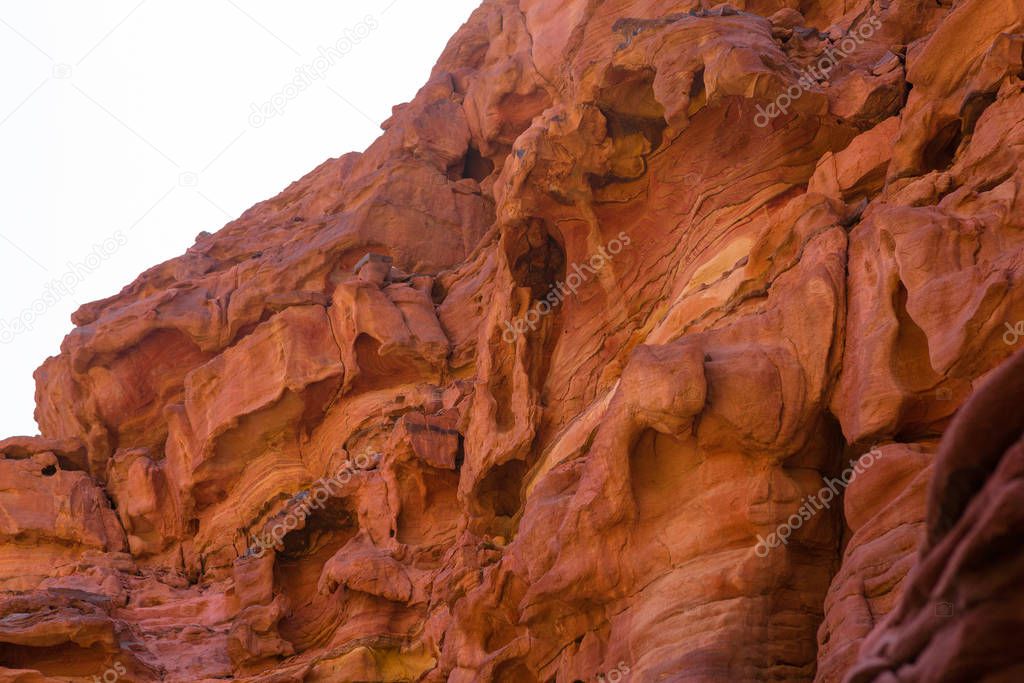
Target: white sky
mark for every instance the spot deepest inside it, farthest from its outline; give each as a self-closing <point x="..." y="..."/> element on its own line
<point x="121" y="115"/>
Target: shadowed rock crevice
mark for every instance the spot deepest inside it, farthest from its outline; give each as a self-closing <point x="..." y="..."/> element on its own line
<point x="55" y="660"/>
<point x="308" y="618"/>
<point x="473" y="166"/>
<point x="635" y="121"/>
<point x="536" y="258"/>
<point x="499" y="497"/>
<point x="939" y="152"/>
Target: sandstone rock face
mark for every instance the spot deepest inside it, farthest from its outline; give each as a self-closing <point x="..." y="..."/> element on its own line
<point x="631" y="350"/>
<point x="960" y="614"/>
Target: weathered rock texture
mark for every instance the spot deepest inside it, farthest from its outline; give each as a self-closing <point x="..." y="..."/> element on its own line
<point x="648" y="275"/>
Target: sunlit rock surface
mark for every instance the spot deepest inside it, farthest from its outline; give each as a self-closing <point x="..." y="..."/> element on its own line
<point x="631" y="350"/>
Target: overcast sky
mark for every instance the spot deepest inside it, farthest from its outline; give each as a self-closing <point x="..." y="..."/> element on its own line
<point x="128" y="127"/>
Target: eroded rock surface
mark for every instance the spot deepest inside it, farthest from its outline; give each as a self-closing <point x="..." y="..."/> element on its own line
<point x="550" y="383"/>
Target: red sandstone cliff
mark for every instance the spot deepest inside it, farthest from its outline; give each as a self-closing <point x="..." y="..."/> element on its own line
<point x="650" y="278"/>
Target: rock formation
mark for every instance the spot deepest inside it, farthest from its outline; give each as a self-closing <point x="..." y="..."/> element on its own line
<point x="631" y="350"/>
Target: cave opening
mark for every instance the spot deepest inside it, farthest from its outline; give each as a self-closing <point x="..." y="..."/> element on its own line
<point x="536" y="259"/>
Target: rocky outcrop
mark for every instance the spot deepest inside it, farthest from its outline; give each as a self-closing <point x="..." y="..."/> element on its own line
<point x="962" y="607"/>
<point x="652" y="340"/>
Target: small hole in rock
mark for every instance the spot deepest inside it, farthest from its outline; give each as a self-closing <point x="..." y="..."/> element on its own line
<point x="477" y="166"/>
<point x="939" y="153"/>
<point x="49" y="470"/>
<point x="473" y="165"/>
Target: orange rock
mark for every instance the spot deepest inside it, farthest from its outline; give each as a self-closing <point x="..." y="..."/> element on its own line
<point x="573" y="374"/>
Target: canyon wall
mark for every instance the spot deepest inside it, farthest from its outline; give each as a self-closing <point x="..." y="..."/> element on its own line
<point x="652" y="341"/>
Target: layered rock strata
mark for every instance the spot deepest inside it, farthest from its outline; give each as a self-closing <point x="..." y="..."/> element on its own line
<point x="550" y="382"/>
